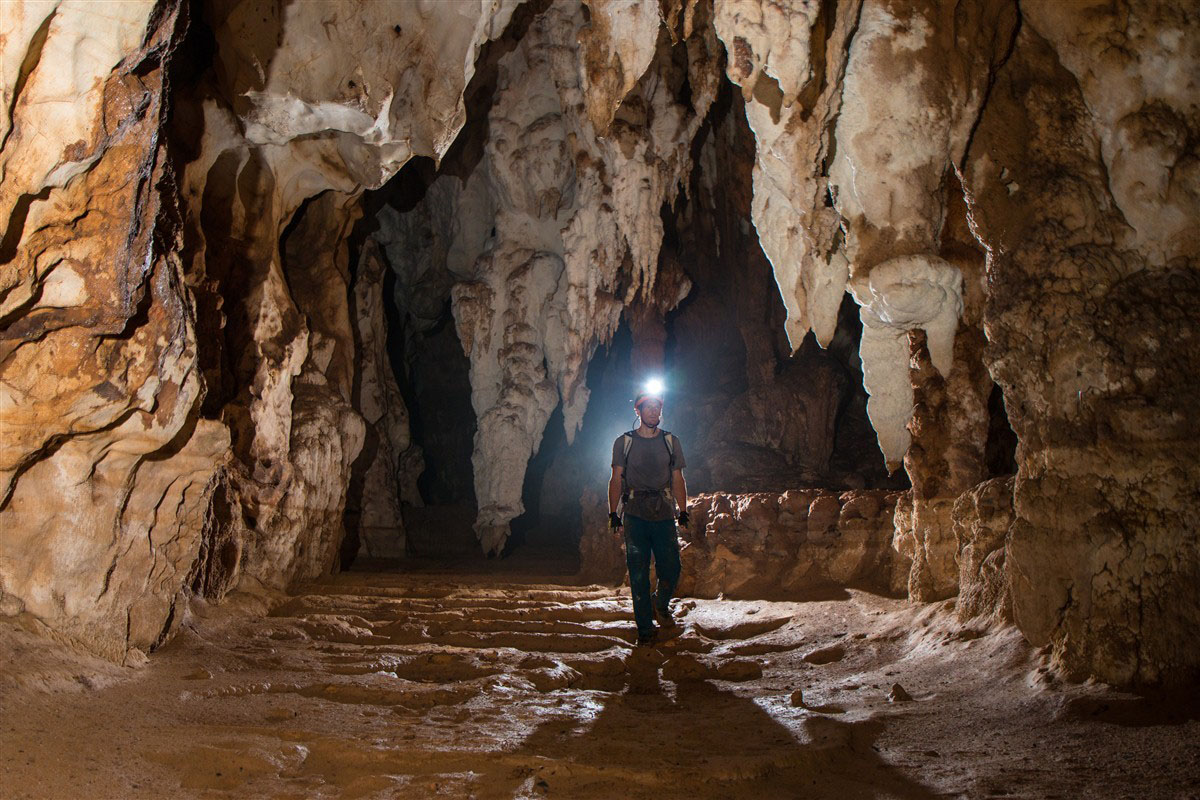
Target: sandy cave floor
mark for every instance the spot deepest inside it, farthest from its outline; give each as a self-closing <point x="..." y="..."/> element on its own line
<point x="506" y="685"/>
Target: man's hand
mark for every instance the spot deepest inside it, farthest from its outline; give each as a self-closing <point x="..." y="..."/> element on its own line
<point x="614" y="520"/>
<point x="683" y="519"/>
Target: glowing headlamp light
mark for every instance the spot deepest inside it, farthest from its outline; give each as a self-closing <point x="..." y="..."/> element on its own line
<point x="655" y="386"/>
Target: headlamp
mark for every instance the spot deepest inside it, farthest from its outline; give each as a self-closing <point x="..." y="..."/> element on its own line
<point x="653" y="390"/>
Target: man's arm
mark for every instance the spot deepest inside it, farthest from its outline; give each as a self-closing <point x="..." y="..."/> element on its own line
<point x="678" y="489"/>
<point x="614" y="488"/>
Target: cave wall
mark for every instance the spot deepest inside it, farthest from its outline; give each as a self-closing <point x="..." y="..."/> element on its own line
<point x="1072" y="130"/>
<point x="1086" y="168"/>
<point x="176" y="373"/>
<point x="1007" y="189"/>
<point x="106" y="469"/>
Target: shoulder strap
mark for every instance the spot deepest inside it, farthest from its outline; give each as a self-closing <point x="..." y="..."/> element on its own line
<point x="668" y="440"/>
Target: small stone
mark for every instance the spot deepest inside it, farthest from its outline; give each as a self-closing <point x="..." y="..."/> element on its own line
<point x="898" y="695"/>
<point x="798" y="698"/>
<point x="826" y="655"/>
<point x="198" y="674"/>
<point x="136" y="658"/>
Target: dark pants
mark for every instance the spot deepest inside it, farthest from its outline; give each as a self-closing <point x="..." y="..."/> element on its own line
<point x="643" y="538"/>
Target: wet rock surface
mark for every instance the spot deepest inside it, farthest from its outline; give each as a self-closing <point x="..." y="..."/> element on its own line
<point x="509" y="685"/>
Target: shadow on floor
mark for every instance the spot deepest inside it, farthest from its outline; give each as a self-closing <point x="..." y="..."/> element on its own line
<point x="695" y="740"/>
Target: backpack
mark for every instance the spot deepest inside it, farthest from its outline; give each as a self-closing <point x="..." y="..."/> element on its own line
<point x="668" y="440"/>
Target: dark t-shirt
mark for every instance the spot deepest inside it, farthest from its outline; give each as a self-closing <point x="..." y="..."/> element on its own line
<point x="648" y="469"/>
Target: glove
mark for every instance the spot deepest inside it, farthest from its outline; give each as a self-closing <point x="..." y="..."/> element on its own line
<point x="614" y="520"/>
<point x="683" y="519"/>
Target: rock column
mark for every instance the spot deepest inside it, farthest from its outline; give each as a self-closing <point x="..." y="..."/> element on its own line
<point x="1094" y="281"/>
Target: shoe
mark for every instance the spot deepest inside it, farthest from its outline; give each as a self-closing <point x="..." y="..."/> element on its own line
<point x="663" y="616"/>
<point x="645" y="639"/>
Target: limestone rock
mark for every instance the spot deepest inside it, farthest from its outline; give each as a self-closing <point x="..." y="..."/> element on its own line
<point x="950" y="424"/>
<point x="1086" y="305"/>
<point x="601" y="554"/>
<point x="788" y="59"/>
<point x="558" y="209"/>
<point x="351" y="122"/>
<point x="282" y="367"/>
<point x="826" y="75"/>
<point x="105" y="467"/>
<point x="758" y="546"/>
<point x="152" y="319"/>
<point x="982" y="519"/>
<point x="393" y="462"/>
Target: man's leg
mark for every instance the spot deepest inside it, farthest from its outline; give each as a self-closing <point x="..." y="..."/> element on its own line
<point x="638" y="547"/>
<point x="665" y="544"/>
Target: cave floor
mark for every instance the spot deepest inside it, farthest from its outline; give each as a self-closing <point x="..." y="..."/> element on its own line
<point x="510" y="685"/>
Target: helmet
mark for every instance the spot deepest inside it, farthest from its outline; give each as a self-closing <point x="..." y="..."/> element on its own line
<point x="644" y="396"/>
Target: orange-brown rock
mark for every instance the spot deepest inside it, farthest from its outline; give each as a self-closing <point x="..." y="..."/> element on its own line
<point x="1093" y="330"/>
<point x="106" y="467"/>
<point x="764" y="545"/>
<point x="982" y="518"/>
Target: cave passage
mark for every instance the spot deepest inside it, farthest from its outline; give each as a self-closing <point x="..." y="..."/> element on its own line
<point x="318" y="321"/>
<point x="754" y="416"/>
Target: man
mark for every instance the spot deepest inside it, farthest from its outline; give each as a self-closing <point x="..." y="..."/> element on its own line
<point x="647" y="474"/>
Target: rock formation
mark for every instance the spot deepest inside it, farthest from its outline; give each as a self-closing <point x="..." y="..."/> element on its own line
<point x="392" y="461"/>
<point x="1082" y="165"/>
<point x="556" y="208"/>
<point x="795" y="543"/>
<point x="157" y="345"/>
<point x="199" y="312"/>
<point x="106" y="468"/>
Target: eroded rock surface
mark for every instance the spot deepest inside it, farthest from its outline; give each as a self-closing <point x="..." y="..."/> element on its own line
<point x="105" y="469"/>
<point x="153" y="325"/>
<point x="1092" y="322"/>
<point x="191" y="370"/>
<point x="800" y="541"/>
<point x="982" y="520"/>
<point x="503" y="685"/>
<point x="794" y="544"/>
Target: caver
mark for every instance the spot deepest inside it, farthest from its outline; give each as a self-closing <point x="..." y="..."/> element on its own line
<point x="646" y="497"/>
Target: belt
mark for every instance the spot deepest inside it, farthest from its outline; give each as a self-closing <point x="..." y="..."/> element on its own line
<point x="646" y="492"/>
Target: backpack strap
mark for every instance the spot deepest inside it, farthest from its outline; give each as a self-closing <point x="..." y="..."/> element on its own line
<point x="669" y="441"/>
